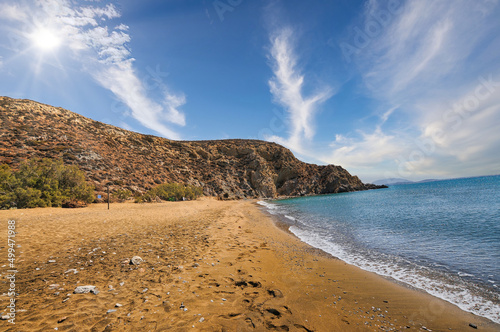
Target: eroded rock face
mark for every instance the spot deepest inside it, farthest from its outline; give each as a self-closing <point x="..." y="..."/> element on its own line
<point x="225" y="168"/>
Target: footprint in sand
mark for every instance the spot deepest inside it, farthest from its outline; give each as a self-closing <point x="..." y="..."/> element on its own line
<point x="275" y="293"/>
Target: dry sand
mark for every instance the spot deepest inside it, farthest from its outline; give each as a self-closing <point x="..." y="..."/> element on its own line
<point x="208" y="266"/>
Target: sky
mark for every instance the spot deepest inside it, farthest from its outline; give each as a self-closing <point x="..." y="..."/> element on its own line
<point x="386" y="89"/>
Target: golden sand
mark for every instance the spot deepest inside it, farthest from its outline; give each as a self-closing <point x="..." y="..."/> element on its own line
<point x="208" y="266"/>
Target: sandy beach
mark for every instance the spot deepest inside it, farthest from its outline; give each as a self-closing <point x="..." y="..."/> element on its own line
<point x="207" y="265"/>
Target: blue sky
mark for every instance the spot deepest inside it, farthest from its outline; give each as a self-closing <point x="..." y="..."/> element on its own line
<point x="383" y="88"/>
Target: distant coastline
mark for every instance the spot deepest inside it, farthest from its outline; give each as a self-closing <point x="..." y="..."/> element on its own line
<point x="401" y="181"/>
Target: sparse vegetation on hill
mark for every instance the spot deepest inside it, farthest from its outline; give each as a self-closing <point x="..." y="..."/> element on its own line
<point x="122" y="195"/>
<point x="171" y="192"/>
<point x="43" y="183"/>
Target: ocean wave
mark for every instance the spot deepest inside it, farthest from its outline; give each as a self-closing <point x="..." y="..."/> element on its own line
<point x="458" y="292"/>
<point x="268" y="205"/>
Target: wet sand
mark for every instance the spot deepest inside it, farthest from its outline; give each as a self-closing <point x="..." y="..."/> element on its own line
<point x="208" y="266"/>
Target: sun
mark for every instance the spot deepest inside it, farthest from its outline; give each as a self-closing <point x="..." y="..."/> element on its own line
<point x="45" y="39"/>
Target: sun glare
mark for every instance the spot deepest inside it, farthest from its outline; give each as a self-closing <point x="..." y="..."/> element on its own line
<point x="45" y="39"/>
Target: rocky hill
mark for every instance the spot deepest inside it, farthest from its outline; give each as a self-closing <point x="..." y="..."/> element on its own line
<point x="108" y="154"/>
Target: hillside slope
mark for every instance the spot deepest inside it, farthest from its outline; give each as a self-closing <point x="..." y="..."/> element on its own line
<point x="224" y="168"/>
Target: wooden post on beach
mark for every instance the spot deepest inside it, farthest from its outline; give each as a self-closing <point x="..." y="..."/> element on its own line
<point x="108" y="195"/>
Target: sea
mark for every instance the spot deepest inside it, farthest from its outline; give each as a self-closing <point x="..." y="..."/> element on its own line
<point x="441" y="237"/>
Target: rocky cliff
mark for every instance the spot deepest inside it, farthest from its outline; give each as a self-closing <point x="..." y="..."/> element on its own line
<point x="225" y="168"/>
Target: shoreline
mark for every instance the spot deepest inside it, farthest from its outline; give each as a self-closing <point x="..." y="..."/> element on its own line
<point x="228" y="263"/>
<point x="285" y="223"/>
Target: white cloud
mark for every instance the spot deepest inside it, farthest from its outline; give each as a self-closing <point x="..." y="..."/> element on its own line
<point x="385" y="116"/>
<point x="12" y="12"/>
<point x="122" y="27"/>
<point x="468" y="131"/>
<point x="415" y="47"/>
<point x="105" y="55"/>
<point x="428" y="46"/>
<point x="110" y="47"/>
<point x="425" y="59"/>
<point x="172" y="103"/>
<point x="109" y="11"/>
<point x="123" y="82"/>
<point x="370" y="149"/>
<point x="287" y="85"/>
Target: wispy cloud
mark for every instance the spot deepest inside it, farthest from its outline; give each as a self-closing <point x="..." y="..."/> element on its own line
<point x="423" y="44"/>
<point x="425" y="61"/>
<point x="287" y="89"/>
<point x="371" y="149"/>
<point x="12" y="12"/>
<point x="123" y="82"/>
<point x="104" y="54"/>
<point x="367" y="154"/>
<point x="465" y="133"/>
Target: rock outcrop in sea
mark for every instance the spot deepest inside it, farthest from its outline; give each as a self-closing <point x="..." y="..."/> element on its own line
<point x="229" y="169"/>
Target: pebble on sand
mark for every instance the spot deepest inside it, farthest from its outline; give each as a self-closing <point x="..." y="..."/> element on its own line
<point x="86" y="289"/>
<point x="136" y="260"/>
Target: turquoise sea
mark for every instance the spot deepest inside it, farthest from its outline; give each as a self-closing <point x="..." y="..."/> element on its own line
<point x="442" y="237"/>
